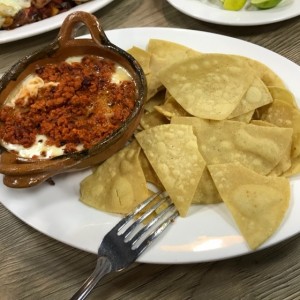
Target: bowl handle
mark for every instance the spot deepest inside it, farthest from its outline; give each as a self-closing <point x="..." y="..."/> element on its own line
<point x="68" y="29"/>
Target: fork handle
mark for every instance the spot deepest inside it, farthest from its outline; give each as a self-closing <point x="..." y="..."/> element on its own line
<point x="102" y="268"/>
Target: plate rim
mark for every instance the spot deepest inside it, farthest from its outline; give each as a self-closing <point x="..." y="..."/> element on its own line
<point x="147" y="257"/>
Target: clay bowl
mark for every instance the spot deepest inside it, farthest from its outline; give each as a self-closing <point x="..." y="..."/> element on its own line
<point x="22" y="172"/>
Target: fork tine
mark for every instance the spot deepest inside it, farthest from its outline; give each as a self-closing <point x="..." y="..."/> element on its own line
<point x="153" y="222"/>
<point x="131" y="215"/>
<point x="157" y="232"/>
<point x="146" y="214"/>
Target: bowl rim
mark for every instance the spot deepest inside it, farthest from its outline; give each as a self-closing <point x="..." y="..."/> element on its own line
<point x="99" y="41"/>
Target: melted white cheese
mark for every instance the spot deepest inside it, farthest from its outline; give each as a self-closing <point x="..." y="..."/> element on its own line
<point x="36" y="149"/>
<point x="9" y="8"/>
<point x="120" y="75"/>
<point x="39" y="149"/>
<point x="29" y="87"/>
<point x="72" y="59"/>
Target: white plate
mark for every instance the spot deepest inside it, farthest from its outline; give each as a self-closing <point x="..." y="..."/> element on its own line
<point x="208" y="233"/>
<point x="212" y="11"/>
<point x="48" y="24"/>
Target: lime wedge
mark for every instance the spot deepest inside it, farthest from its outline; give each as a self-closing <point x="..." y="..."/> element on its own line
<point x="264" y="4"/>
<point x="234" y="4"/>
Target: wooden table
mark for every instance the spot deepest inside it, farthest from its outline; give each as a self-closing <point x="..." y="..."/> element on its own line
<point x="33" y="266"/>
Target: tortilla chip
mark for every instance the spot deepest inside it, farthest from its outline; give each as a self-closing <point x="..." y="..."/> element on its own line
<point x="283" y="114"/>
<point x="285" y="162"/>
<point x="259" y="148"/>
<point x="283" y="94"/>
<point x="257" y="203"/>
<point x="142" y="57"/>
<point x="246" y="118"/>
<point x="165" y="53"/>
<point x="171" y="108"/>
<point x="152" y="119"/>
<point x="118" y="185"/>
<point x="294" y="169"/>
<point x="172" y="151"/>
<point x="262" y="123"/>
<point x="256" y="96"/>
<point x="278" y="113"/>
<point x="157" y="99"/>
<point x="153" y="85"/>
<point x="267" y="75"/>
<point x="149" y="173"/>
<point x="206" y="192"/>
<point x="209" y="86"/>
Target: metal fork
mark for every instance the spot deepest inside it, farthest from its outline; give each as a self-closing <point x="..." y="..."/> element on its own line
<point x="129" y="238"/>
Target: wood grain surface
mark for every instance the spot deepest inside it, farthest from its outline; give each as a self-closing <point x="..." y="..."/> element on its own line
<point x="34" y="266"/>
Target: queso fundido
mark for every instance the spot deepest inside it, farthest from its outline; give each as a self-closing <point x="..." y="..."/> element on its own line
<point x="66" y="107"/>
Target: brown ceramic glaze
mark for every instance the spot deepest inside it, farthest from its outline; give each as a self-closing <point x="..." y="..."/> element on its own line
<point x="19" y="172"/>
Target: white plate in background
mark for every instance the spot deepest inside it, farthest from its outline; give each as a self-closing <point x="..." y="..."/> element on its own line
<point x="48" y="24"/>
<point x="211" y="11"/>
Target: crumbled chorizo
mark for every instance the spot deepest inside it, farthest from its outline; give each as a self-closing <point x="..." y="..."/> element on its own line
<point x="83" y="108"/>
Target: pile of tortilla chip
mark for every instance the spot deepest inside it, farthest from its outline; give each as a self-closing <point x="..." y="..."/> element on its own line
<point x="216" y="128"/>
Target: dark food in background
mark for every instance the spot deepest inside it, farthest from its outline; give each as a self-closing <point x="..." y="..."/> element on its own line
<point x="39" y="10"/>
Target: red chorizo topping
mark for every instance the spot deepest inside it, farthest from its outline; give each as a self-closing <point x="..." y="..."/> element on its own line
<point x="78" y="105"/>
